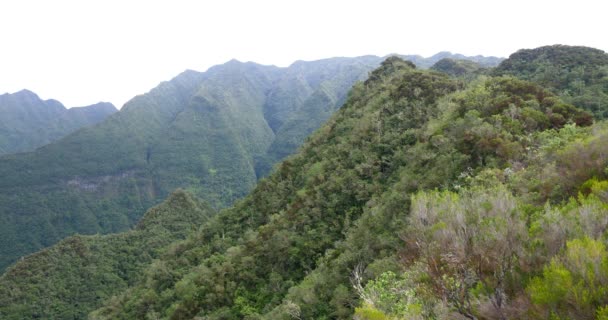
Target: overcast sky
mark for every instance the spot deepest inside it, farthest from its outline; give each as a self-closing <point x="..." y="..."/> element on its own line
<point x="82" y="52"/>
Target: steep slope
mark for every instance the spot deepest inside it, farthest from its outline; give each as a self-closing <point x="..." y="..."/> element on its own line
<point x="28" y="122"/>
<point x="321" y="89"/>
<point x="75" y="276"/>
<point x="332" y="93"/>
<point x="579" y="75"/>
<point x="288" y="221"/>
<point x="289" y="248"/>
<point x="205" y="132"/>
<point x="213" y="133"/>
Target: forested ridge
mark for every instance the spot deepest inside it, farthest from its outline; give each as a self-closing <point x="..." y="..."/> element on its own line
<point x="76" y="275"/>
<point x="212" y="133"/>
<point x="29" y="122"/>
<point x="460" y="192"/>
<point x="579" y="75"/>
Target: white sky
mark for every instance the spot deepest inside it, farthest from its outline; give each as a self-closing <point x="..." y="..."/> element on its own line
<point x="82" y="52"/>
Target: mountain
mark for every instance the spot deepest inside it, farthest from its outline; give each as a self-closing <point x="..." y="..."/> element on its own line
<point x="76" y="275"/>
<point x="426" y="63"/>
<point x="458" y="67"/>
<point x="212" y="133"/>
<point x="206" y="132"/>
<point x="336" y="212"/>
<point x="577" y="74"/>
<point x="29" y="122"/>
<point x="423" y="196"/>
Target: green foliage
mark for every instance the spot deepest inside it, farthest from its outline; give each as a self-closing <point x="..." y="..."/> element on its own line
<point x="369" y="313"/>
<point x="579" y="75"/>
<point x="465" y="69"/>
<point x="575" y="283"/>
<point x="426" y="63"/>
<point x="602" y="313"/>
<point x="494" y="118"/>
<point x="270" y="241"/>
<point x="75" y="276"/>
<point x="211" y="133"/>
<point x="475" y="253"/>
<point x="468" y="243"/>
<point x="424" y="196"/>
<point x="28" y="122"/>
<point x="293" y="244"/>
<point x="392" y="295"/>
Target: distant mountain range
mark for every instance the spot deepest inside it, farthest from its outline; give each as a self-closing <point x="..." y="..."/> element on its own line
<point x="213" y="133"/>
<point x="425" y="63"/>
<point x="452" y="193"/>
<point x="28" y="122"/>
<point x="460" y="192"/>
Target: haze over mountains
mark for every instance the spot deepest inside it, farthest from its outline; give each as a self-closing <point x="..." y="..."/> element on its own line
<point x="212" y="133"/>
<point x="28" y="122"/>
<point x="456" y="194"/>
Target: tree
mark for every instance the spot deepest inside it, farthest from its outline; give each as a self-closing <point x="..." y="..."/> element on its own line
<point x="470" y="244"/>
<point x="575" y="284"/>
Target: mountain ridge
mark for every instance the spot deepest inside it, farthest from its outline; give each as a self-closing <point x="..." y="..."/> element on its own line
<point x="213" y="133"/>
<point x="28" y="122"/>
<point x="123" y="255"/>
<point x="292" y="248"/>
<point x="415" y="167"/>
<point x="199" y="131"/>
<point x="578" y="74"/>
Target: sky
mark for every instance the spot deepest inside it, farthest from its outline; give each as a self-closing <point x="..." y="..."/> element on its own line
<point x="81" y="52"/>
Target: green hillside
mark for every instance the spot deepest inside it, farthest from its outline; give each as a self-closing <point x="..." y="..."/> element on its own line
<point x="428" y="62"/>
<point x="76" y="275"/>
<point x="353" y="224"/>
<point x="29" y="122"/>
<point x="579" y="75"/>
<point x="213" y="133"/>
<point x="459" y="68"/>
<point x="206" y="132"/>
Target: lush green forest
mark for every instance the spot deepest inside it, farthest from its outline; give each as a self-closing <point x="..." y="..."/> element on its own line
<point x="29" y="122"/>
<point x="213" y="133"/>
<point x="428" y="195"/>
<point x="323" y="236"/>
<point x="579" y="75"/>
<point x="459" y="68"/>
<point x="76" y="275"/>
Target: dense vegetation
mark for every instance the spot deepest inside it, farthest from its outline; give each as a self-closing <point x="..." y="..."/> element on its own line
<point x="428" y="195"/>
<point x="422" y="197"/>
<point x="28" y="122"/>
<point x="213" y="134"/>
<point x="579" y="75"/>
<point x="75" y="276"/>
<point x="459" y="68"/>
<point x="205" y="132"/>
<point x="425" y="63"/>
<point x="269" y="241"/>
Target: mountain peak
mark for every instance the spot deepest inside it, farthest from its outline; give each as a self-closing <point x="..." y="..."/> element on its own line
<point x="233" y="61"/>
<point x="179" y="207"/>
<point x="102" y="105"/>
<point x="29" y="122"/>
<point x="25" y="97"/>
<point x="25" y="92"/>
